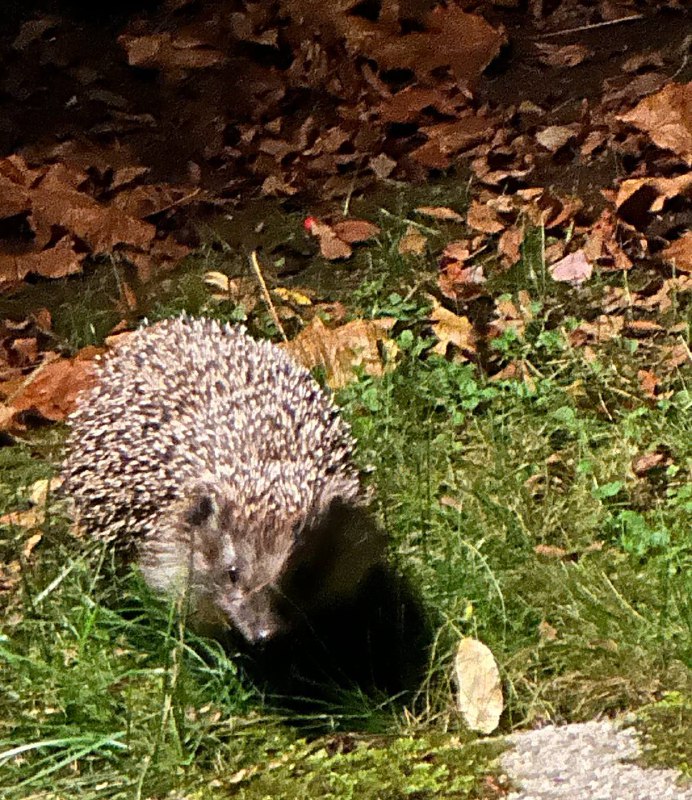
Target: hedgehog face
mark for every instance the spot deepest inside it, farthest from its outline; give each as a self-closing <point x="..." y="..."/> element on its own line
<point x="237" y="567"/>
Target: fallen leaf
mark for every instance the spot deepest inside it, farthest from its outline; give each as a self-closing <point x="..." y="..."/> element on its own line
<point x="41" y="489"/>
<point x="52" y="389"/>
<point x="331" y="246"/>
<point x="217" y="280"/>
<point x="573" y="268"/>
<point x="29" y="519"/>
<point x="479" y="689"/>
<point x="413" y="242"/>
<point x="440" y="212"/>
<point x="679" y="253"/>
<point x="166" y="51"/>
<point x="353" y="231"/>
<point x="461" y="283"/>
<point x="382" y="166"/>
<point x="482" y="217"/>
<point x="546" y="632"/>
<point x="649" y="383"/>
<point x="555" y="137"/>
<point x="656" y="459"/>
<point x="638" y="196"/>
<point x="345" y="351"/>
<point x="292" y="296"/>
<point x="461" y="42"/>
<point x="602" y="329"/>
<point x="568" y="55"/>
<point x="641" y="328"/>
<point x="509" y="246"/>
<point x="451" y="329"/>
<point x="667" y="119"/>
<point x="550" y="551"/>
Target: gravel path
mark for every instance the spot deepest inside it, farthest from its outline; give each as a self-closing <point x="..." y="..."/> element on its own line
<point x="587" y="761"/>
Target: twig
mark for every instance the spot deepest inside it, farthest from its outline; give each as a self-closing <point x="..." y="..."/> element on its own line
<point x="595" y="25"/>
<point x="265" y="292"/>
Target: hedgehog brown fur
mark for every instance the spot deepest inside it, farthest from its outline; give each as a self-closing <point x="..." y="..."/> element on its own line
<point x="229" y="470"/>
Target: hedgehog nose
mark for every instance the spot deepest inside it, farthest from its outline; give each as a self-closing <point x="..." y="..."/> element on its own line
<point x="262" y="636"/>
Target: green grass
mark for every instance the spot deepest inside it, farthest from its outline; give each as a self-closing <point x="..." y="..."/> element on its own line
<point x="473" y="476"/>
<point x="513" y="510"/>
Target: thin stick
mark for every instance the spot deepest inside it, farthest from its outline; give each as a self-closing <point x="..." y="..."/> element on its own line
<point x="265" y="292"/>
<point x="593" y="27"/>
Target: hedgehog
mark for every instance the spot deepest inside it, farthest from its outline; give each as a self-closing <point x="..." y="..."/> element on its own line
<point x="227" y="473"/>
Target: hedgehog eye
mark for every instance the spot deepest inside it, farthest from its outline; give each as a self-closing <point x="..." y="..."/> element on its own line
<point x="200" y="511"/>
<point x="233" y="574"/>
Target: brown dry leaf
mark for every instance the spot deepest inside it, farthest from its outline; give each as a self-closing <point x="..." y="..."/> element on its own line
<point x="461" y="283"/>
<point x="674" y="356"/>
<point x="440" y="212"/>
<point x="452" y="329"/>
<point x="164" y="51"/>
<point x="413" y="242"/>
<point x="406" y="105"/>
<point x="509" y="246"/>
<point x="482" y="217"/>
<point x="555" y="137"/>
<point x="602" y="329"/>
<point x="102" y="228"/>
<point x="464" y="43"/>
<point x="543" y="207"/>
<point x="52" y="389"/>
<point x="55" y="262"/>
<point x="642" y="328"/>
<point x="638" y="195"/>
<point x="479" y="689"/>
<point x="344" y="351"/>
<point x="546" y="632"/>
<point x="663" y="299"/>
<point x="573" y="268"/>
<point x="601" y="245"/>
<point x="29" y="519"/>
<point x="331" y="246"/>
<point x="459" y="251"/>
<point x="648" y="382"/>
<point x="667" y="118"/>
<point x="510" y="315"/>
<point x="382" y="165"/>
<point x="656" y="459"/>
<point x="679" y="253"/>
<point x="448" y="139"/>
<point x="274" y="185"/>
<point x="41" y="489"/>
<point x="569" y="55"/>
<point x="353" y="231"/>
<point x="550" y="551"/>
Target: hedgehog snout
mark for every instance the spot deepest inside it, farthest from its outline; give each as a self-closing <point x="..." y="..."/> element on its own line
<point x="256" y="614"/>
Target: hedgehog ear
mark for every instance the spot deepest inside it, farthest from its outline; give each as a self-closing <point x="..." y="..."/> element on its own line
<point x="200" y="509"/>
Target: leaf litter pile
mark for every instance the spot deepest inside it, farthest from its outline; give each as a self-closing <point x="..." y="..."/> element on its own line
<point x="121" y="133"/>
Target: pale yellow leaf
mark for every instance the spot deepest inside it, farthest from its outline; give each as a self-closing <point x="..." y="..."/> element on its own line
<point x="479" y="690"/>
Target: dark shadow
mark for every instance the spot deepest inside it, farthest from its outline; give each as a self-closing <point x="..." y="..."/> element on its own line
<point x="377" y="646"/>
